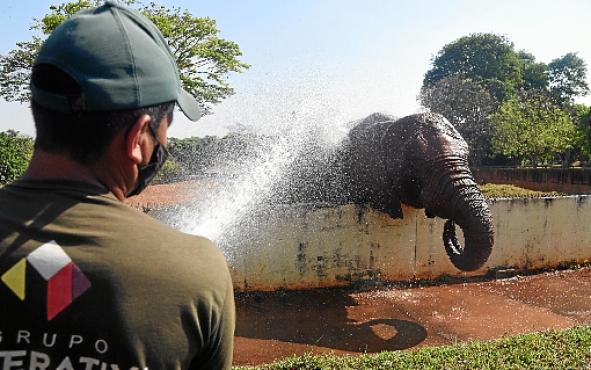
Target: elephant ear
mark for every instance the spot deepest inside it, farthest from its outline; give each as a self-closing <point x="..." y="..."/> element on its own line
<point x="387" y="200"/>
<point x="425" y="148"/>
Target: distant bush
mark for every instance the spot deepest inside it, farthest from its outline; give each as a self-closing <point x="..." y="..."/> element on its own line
<point x="170" y="172"/>
<point x="16" y="150"/>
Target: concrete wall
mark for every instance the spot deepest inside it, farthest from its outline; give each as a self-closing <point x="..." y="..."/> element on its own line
<point x="327" y="247"/>
<point x="566" y="180"/>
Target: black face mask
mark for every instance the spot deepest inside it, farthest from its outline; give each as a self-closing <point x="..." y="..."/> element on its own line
<point x="149" y="171"/>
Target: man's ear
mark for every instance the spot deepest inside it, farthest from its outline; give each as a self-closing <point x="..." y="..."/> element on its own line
<point x="136" y="140"/>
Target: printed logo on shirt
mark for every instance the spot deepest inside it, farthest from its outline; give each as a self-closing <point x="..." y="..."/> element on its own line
<point x="42" y="350"/>
<point x="64" y="280"/>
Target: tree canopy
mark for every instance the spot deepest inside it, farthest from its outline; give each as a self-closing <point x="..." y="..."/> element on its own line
<point x="532" y="101"/>
<point x="467" y="105"/>
<point x="535" y="74"/>
<point x="581" y="116"/>
<point x="16" y="150"/>
<point x="204" y="59"/>
<point x="567" y="76"/>
<point x="487" y="58"/>
<point x="531" y="126"/>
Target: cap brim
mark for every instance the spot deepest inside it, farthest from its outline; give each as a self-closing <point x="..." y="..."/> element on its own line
<point x="190" y="106"/>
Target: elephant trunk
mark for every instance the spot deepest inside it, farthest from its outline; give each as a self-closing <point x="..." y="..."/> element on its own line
<point x="460" y="201"/>
<point x="475" y="219"/>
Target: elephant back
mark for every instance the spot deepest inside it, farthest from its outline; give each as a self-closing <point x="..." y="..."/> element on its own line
<point x="368" y="131"/>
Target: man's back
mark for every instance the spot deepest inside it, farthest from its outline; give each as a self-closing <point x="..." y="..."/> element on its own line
<point x="88" y="281"/>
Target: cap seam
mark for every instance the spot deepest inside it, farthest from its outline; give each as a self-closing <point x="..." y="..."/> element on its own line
<point x="130" y="52"/>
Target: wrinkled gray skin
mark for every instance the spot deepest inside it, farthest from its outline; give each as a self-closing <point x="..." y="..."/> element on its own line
<point x="422" y="161"/>
<point x="419" y="160"/>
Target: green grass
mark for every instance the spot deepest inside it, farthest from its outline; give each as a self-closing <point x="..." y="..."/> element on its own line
<point x="511" y="191"/>
<point x="567" y="349"/>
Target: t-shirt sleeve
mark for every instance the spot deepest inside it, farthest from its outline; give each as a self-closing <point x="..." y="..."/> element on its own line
<point x="221" y="346"/>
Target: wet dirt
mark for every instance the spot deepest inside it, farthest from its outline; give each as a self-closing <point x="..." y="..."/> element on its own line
<point x="271" y="326"/>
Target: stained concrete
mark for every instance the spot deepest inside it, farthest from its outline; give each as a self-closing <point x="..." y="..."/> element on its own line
<point x="271" y="326"/>
<point x="339" y="246"/>
<point x="306" y="247"/>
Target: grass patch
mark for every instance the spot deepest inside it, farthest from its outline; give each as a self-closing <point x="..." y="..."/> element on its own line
<point x="567" y="349"/>
<point x="511" y="191"/>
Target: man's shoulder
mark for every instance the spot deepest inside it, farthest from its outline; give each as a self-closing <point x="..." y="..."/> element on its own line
<point x="163" y="234"/>
<point x="178" y="246"/>
<point x="187" y="256"/>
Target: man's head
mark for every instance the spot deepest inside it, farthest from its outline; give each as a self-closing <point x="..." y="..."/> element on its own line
<point x="100" y="75"/>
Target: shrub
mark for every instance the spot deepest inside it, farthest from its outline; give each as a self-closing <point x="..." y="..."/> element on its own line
<point x="16" y="150"/>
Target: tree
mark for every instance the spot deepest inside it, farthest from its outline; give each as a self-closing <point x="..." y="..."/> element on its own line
<point x="482" y="57"/>
<point x="204" y="59"/>
<point x="567" y="76"/>
<point x="535" y="75"/>
<point x="170" y="172"/>
<point x="531" y="126"/>
<point x="467" y="105"/>
<point x="15" y="153"/>
<point x="211" y="155"/>
<point x="581" y="116"/>
<point x="189" y="155"/>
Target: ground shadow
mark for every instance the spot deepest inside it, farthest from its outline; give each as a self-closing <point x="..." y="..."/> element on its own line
<point x="323" y="318"/>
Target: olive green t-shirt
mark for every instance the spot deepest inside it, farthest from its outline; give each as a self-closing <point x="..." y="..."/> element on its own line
<point x="86" y="282"/>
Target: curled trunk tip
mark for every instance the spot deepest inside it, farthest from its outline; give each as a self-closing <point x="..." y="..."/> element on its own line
<point x="478" y="247"/>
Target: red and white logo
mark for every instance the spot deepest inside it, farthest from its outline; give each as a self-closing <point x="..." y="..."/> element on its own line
<point x="64" y="280"/>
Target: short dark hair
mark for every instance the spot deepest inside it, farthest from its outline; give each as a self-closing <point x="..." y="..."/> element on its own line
<point x="82" y="135"/>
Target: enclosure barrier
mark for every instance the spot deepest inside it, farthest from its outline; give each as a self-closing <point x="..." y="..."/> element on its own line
<point x="305" y="248"/>
<point x="565" y="180"/>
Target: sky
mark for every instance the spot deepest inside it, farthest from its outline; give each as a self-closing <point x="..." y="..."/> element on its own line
<point x="337" y="60"/>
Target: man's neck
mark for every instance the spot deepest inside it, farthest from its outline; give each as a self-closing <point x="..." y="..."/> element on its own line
<point x="52" y="166"/>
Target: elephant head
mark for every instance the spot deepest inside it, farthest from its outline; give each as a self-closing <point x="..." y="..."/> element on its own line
<point x="421" y="160"/>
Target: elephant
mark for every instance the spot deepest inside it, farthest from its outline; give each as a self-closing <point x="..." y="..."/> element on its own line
<point x="420" y="160"/>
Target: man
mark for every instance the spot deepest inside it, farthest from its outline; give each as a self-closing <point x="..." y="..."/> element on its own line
<point x="86" y="281"/>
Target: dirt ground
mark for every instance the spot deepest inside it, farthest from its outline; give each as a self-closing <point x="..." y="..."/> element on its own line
<point x="277" y="325"/>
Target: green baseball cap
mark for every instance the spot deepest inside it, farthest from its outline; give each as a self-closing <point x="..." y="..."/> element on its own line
<point x="119" y="59"/>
